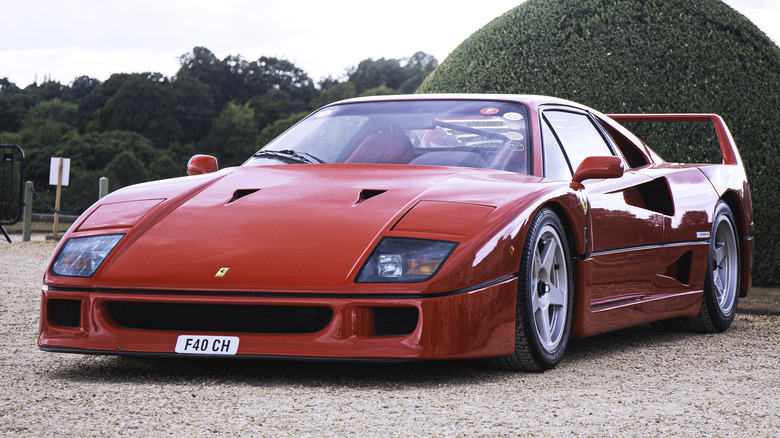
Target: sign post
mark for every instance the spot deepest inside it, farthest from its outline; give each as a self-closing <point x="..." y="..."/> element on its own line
<point x="59" y="174"/>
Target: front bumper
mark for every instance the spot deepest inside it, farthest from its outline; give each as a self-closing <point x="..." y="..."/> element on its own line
<point x="476" y="322"/>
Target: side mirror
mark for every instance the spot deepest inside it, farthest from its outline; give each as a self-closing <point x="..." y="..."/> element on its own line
<point x="200" y="164"/>
<point x="597" y="168"/>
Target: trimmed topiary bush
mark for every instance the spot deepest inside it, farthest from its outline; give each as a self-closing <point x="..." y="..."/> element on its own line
<point x="644" y="56"/>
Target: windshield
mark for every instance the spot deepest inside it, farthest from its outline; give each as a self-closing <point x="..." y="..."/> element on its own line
<point x="464" y="133"/>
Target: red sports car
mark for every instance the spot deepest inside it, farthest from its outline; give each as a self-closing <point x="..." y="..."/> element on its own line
<point x="411" y="227"/>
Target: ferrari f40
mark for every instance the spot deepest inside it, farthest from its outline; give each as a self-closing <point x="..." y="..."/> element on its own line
<point x="406" y="228"/>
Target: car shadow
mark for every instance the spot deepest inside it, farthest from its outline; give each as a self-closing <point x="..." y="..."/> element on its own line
<point x="316" y="373"/>
<point x="262" y="372"/>
<point x="637" y="338"/>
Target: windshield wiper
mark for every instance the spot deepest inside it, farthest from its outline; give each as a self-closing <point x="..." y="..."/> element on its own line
<point x="300" y="157"/>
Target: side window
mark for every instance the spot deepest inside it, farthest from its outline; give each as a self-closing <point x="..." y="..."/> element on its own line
<point x="579" y="137"/>
<point x="555" y="164"/>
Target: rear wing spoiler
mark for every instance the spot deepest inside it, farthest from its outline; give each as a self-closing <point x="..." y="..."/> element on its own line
<point x="728" y="148"/>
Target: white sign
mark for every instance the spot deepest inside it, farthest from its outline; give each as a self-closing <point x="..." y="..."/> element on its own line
<point x="199" y="344"/>
<point x="54" y="170"/>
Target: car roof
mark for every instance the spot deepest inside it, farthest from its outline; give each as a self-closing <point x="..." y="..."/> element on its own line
<point x="531" y="100"/>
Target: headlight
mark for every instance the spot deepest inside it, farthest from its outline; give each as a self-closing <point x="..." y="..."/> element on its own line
<point x="118" y="214"/>
<point x="81" y="256"/>
<point x="403" y="260"/>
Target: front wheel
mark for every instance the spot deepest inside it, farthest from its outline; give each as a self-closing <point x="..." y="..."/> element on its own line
<point x="544" y="298"/>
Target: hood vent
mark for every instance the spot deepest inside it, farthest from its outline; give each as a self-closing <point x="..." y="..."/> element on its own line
<point x="240" y="193"/>
<point x="367" y="194"/>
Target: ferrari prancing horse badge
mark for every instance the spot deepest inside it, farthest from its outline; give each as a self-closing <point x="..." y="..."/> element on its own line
<point x="221" y="272"/>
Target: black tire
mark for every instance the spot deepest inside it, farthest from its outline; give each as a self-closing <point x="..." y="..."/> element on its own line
<point x="722" y="283"/>
<point x="544" y="298"/>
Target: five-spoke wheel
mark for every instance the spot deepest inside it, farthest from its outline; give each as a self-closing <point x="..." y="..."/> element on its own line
<point x="544" y="297"/>
<point x="724" y="265"/>
<point x="721" y="287"/>
<point x="550" y="289"/>
<point x="722" y="281"/>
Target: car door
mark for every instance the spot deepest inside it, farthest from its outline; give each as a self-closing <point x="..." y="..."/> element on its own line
<point x="627" y="214"/>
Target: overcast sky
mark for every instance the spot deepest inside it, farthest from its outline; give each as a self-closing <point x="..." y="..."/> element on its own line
<point x="61" y="40"/>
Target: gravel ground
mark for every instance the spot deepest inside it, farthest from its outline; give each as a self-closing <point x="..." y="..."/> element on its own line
<point x="636" y="382"/>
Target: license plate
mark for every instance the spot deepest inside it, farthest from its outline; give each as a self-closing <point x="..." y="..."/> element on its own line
<point x="197" y="344"/>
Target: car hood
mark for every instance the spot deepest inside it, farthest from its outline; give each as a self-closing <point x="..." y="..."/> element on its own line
<point x="282" y="228"/>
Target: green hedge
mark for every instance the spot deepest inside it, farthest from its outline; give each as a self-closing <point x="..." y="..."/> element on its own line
<point x="643" y="56"/>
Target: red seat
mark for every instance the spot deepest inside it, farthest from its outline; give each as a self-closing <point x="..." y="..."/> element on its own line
<point x="384" y="148"/>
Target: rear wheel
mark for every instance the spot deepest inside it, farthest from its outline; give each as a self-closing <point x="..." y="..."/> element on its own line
<point x="544" y="298"/>
<point x="721" y="288"/>
<point x="722" y="283"/>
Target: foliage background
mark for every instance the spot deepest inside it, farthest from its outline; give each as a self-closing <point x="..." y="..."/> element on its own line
<point x="144" y="126"/>
<point x="645" y="56"/>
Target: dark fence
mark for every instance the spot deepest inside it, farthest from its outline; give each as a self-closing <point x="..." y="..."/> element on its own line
<point x="11" y="183"/>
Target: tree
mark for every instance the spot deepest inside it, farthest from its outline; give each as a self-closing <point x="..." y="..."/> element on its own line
<point x="181" y="152"/>
<point x="97" y="99"/>
<point x="275" y="104"/>
<point x="43" y="133"/>
<point x="93" y="151"/>
<point x="10" y="119"/>
<point x="371" y="73"/>
<point x="48" y="90"/>
<point x="40" y="139"/>
<point x="417" y="68"/>
<point x="232" y="135"/>
<point x="55" y="110"/>
<point x="82" y="86"/>
<point x="382" y="90"/>
<point x="222" y="77"/>
<point x="327" y="82"/>
<point x="15" y="103"/>
<point x="125" y="169"/>
<point x="268" y="73"/>
<point x="7" y="86"/>
<point x="235" y="79"/>
<point x="192" y="107"/>
<point x="165" y="167"/>
<point x="144" y="103"/>
<point x="400" y="75"/>
<point x="340" y="91"/>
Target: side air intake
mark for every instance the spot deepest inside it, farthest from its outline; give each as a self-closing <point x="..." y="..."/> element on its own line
<point x="680" y="270"/>
<point x="240" y="193"/>
<point x="367" y="194"/>
<point x="654" y="196"/>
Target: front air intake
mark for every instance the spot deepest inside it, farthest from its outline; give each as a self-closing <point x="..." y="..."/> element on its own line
<point x="64" y="313"/>
<point x="395" y="321"/>
<point x="221" y="318"/>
